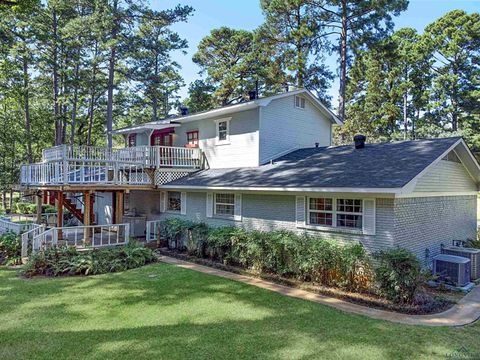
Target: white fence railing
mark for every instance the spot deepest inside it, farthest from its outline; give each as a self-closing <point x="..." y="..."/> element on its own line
<point x="151" y="156"/>
<point x="7" y="225"/>
<point x="27" y="238"/>
<point x="45" y="218"/>
<point x="153" y="230"/>
<point x="84" y="237"/>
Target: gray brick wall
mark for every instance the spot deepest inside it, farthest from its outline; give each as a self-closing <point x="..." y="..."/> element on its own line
<point x="275" y="212"/>
<point x="426" y="223"/>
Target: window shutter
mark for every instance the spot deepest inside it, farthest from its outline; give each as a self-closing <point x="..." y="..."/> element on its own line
<point x="209" y="210"/>
<point x="163" y="201"/>
<point x="369" y="216"/>
<point x="300" y="211"/>
<point x="238" y="207"/>
<point x="183" y="203"/>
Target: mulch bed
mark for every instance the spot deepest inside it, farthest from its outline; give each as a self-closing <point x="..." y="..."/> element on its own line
<point x="433" y="303"/>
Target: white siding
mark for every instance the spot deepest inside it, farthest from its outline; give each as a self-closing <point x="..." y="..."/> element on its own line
<point x="446" y="176"/>
<point x="284" y="127"/>
<point x="243" y="148"/>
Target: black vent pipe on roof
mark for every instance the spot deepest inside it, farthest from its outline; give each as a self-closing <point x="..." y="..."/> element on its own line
<point x="252" y="94"/>
<point x="359" y="141"/>
<point x="184" y="110"/>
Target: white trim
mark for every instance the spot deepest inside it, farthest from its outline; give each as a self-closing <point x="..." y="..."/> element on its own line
<point x="209" y="205"/>
<point x="237" y="207"/>
<point x="223" y="216"/>
<point x="300" y="98"/>
<point x="334" y="227"/>
<point x="145" y="128"/>
<point x="217" y="131"/>
<point x="163" y="201"/>
<point x="369" y="221"/>
<point x="288" y="189"/>
<point x="435" y="194"/>
<point x="183" y="203"/>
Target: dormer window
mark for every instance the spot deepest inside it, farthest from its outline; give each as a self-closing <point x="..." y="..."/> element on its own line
<point x="223" y="131"/>
<point x="299" y="102"/>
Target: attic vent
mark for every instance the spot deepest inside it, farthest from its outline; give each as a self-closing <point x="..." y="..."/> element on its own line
<point x="452" y="156"/>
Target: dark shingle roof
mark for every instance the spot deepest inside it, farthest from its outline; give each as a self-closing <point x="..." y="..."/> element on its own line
<point x="387" y="165"/>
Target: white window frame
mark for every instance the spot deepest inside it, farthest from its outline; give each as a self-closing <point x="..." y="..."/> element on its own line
<point x="320" y="211"/>
<point x="338" y="212"/>
<point x="334" y="213"/>
<point x="167" y="209"/>
<point x="215" y="205"/>
<point x="301" y="101"/>
<point x="226" y="141"/>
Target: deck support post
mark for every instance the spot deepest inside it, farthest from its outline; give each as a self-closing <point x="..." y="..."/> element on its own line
<point x="87" y="217"/>
<point x="59" y="202"/>
<point x="39" y="206"/>
<point x="119" y="207"/>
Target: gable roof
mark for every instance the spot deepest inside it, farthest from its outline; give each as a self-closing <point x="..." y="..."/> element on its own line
<point x="386" y="167"/>
<point x="231" y="109"/>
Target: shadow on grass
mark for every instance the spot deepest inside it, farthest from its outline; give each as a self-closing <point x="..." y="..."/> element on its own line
<point x="161" y="311"/>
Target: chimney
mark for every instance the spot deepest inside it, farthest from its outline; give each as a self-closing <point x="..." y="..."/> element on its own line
<point x="252" y="95"/>
<point x="183" y="110"/>
<point x="359" y="141"/>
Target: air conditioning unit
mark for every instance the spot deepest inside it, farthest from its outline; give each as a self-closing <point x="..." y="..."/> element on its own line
<point x="472" y="254"/>
<point x="452" y="269"/>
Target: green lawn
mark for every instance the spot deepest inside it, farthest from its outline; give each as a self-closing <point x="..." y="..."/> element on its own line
<point x="161" y="311"/>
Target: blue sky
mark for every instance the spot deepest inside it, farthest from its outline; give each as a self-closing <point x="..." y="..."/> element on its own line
<point x="246" y="14"/>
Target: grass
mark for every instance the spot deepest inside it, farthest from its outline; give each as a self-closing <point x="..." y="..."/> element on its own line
<point x="163" y="312"/>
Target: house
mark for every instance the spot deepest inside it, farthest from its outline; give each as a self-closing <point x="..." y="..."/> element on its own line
<point x="269" y="164"/>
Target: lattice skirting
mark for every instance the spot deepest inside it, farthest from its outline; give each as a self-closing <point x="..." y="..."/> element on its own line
<point x="163" y="177"/>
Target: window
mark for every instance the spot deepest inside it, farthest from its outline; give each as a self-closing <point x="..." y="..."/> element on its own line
<point x="132" y="140"/>
<point x="224" y="204"/>
<point x="349" y="213"/>
<point x="299" y="102"/>
<point x="320" y="211"/>
<point x="192" y="138"/>
<point x="174" y="201"/>
<point x="346" y="213"/>
<point x="223" y="131"/>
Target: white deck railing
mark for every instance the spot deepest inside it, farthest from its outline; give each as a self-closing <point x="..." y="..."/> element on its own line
<point x="152" y="231"/>
<point x="83" y="172"/>
<point x="150" y="156"/>
<point x="83" y="237"/>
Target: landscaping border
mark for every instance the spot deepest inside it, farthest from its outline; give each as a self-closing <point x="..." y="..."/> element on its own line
<point x="465" y="312"/>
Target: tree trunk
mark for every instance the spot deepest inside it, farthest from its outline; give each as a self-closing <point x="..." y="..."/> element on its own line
<point x="154" y="95"/>
<point x="4" y="199"/>
<point x="405" y="118"/>
<point x="74" y="105"/>
<point x="92" y="96"/>
<point x="300" y="81"/>
<point x="111" y="76"/>
<point x="343" y="62"/>
<point x="58" y="123"/>
<point x="26" y="99"/>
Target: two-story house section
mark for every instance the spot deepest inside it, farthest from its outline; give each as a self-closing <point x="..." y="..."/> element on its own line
<point x="243" y="135"/>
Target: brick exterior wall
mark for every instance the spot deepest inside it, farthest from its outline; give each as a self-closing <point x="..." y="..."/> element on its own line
<point x="275" y="212"/>
<point x="428" y="222"/>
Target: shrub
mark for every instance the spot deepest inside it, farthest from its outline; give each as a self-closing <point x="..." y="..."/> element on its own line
<point x="174" y="231"/>
<point x="10" y="249"/>
<point x="474" y="243"/>
<point x="68" y="261"/>
<point x="398" y="274"/>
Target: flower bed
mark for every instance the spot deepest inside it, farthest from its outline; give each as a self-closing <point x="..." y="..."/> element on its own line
<point x="62" y="261"/>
